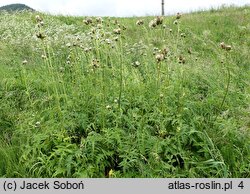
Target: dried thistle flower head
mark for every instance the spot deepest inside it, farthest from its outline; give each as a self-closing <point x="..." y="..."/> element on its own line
<point x="95" y="63"/>
<point x="40" y="35"/>
<point x="124" y="27"/>
<point x="87" y="49"/>
<point x="99" y="20"/>
<point x="40" y="24"/>
<point x="24" y="62"/>
<point x="178" y="16"/>
<point x="165" y="51"/>
<point x="152" y="24"/>
<point x="108" y="41"/>
<point x="38" y="19"/>
<point x="159" y="20"/>
<point x="225" y="47"/>
<point x="140" y="22"/>
<point x="181" y="59"/>
<point x="222" y="45"/>
<point x="88" y="21"/>
<point x="99" y="26"/>
<point x="117" y="31"/>
<point x="136" y="64"/>
<point x="44" y="56"/>
<point x="183" y="35"/>
<point x="108" y="107"/>
<point x="68" y="45"/>
<point x="175" y="22"/>
<point x="228" y="47"/>
<point x="159" y="57"/>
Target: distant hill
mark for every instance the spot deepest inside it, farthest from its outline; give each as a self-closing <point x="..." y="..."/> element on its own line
<point x="16" y="7"/>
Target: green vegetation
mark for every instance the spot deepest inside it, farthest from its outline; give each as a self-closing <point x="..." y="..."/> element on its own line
<point x="16" y="7"/>
<point x="117" y="98"/>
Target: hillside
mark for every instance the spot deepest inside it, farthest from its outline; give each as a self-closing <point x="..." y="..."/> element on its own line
<point x="16" y="7"/>
<point x="125" y="97"/>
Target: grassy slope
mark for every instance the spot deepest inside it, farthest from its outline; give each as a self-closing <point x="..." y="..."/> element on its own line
<point x="69" y="116"/>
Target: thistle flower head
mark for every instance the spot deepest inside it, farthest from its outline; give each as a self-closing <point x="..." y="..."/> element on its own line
<point x="183" y="35"/>
<point x="175" y="22"/>
<point x="178" y="16"/>
<point x="181" y="59"/>
<point x="108" y="107"/>
<point x="44" y="56"/>
<point x="136" y="64"/>
<point x="88" y="21"/>
<point x="222" y="45"/>
<point x="38" y="19"/>
<point x="152" y="24"/>
<point x="95" y="63"/>
<point x="117" y="31"/>
<point x="165" y="51"/>
<point x="140" y="22"/>
<point x="159" y="57"/>
<point x="24" y="62"/>
<point x="225" y="47"/>
<point x="228" y="47"/>
<point x="88" y="49"/>
<point x="159" y="20"/>
<point x="99" y="20"/>
<point x="40" y="35"/>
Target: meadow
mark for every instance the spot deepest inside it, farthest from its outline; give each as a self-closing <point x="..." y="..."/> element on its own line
<point x="125" y="97"/>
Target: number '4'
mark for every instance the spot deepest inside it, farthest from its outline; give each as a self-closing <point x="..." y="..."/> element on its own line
<point x="241" y="185"/>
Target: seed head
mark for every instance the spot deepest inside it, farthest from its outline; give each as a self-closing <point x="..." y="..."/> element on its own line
<point x="95" y="63"/>
<point x="117" y="31"/>
<point x="152" y="24"/>
<point x="165" y="51"/>
<point x="175" y="22"/>
<point x="136" y="63"/>
<point x="88" y="21"/>
<point x="159" y="57"/>
<point x="159" y="20"/>
<point x="99" y="20"/>
<point x="25" y="62"/>
<point x="225" y="47"/>
<point x="108" y="107"/>
<point x="40" y="35"/>
<point x="44" y="57"/>
<point x="38" y="19"/>
<point x="68" y="45"/>
<point x="87" y="49"/>
<point x="37" y="124"/>
<point x="228" y="47"/>
<point x="181" y="59"/>
<point x="183" y="35"/>
<point x="222" y="45"/>
<point x="178" y="16"/>
<point x="140" y="22"/>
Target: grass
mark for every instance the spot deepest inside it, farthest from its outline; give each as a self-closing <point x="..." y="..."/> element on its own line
<point x="115" y="99"/>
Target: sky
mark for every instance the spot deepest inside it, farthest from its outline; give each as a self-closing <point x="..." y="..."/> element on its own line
<point x="121" y="8"/>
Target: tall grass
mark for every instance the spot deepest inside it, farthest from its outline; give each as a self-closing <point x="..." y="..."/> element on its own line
<point x="110" y="98"/>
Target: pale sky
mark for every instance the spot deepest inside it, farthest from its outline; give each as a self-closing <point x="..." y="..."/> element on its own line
<point x="121" y="7"/>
